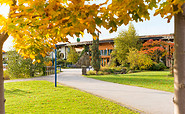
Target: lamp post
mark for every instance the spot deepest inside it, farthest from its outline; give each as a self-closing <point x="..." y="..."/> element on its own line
<point x="55" y="65"/>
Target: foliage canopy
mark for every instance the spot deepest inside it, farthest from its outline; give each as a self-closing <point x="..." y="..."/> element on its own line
<point x="158" y="49"/>
<point x="125" y="41"/>
<point x="138" y="60"/>
<point x="72" y="55"/>
<point x="37" y="25"/>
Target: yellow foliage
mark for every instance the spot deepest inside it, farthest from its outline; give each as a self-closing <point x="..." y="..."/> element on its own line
<point x="48" y="63"/>
<point x="7" y="2"/>
<point x="37" y="25"/>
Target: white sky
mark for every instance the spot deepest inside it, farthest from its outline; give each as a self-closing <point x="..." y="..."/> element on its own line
<point x="156" y="25"/>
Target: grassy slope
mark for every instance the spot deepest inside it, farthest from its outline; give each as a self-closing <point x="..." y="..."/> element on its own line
<point x="151" y="79"/>
<point x="43" y="97"/>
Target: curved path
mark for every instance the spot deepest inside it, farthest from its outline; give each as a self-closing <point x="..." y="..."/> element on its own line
<point x="146" y="100"/>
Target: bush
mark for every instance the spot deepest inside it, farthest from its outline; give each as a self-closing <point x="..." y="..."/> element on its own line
<point x="108" y="70"/>
<point x="91" y="72"/>
<point x="6" y="75"/>
<point x="157" y="66"/>
<point x="138" y="60"/>
<point x="100" y="73"/>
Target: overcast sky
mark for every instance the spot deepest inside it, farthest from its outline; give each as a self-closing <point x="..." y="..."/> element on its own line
<point x="156" y="25"/>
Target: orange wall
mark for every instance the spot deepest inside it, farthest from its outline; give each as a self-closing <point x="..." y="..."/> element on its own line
<point x="106" y="46"/>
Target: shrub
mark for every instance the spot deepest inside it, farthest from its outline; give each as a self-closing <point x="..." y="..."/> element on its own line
<point x="6" y="75"/>
<point x="157" y="66"/>
<point x="91" y="72"/>
<point x="138" y="60"/>
<point x="109" y="70"/>
<point x="100" y="73"/>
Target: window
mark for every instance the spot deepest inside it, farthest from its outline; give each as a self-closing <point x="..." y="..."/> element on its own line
<point x="109" y="51"/>
<point x="105" y="52"/>
<point x="107" y="60"/>
<point x="101" y="62"/>
<point x="101" y="52"/>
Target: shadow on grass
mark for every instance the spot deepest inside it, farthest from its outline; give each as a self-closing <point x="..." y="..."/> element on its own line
<point x="17" y="92"/>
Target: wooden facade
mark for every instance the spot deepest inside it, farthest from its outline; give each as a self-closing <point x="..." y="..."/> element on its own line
<point x="106" y="46"/>
<point x="106" y="49"/>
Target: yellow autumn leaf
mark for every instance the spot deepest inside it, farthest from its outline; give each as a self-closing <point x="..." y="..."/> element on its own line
<point x="32" y="56"/>
<point x="38" y="61"/>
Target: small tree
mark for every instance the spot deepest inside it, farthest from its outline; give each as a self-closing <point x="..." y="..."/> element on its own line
<point x="125" y="40"/>
<point x="95" y="62"/>
<point x="157" y="49"/>
<point x="17" y="66"/>
<point x="138" y="60"/>
<point x="72" y="55"/>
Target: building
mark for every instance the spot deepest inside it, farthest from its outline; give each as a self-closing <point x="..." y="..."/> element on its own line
<point x="106" y="46"/>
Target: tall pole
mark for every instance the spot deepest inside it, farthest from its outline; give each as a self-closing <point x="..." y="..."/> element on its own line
<point x="56" y="66"/>
<point x="52" y="59"/>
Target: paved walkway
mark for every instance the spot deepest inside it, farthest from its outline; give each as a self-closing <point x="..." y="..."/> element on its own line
<point x="146" y="100"/>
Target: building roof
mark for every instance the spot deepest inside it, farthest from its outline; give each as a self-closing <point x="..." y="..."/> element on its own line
<point x="110" y="40"/>
<point x="87" y="42"/>
<point x="157" y="37"/>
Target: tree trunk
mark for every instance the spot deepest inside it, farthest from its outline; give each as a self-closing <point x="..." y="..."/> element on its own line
<point x="179" y="67"/>
<point x="3" y="37"/>
<point x="2" y="100"/>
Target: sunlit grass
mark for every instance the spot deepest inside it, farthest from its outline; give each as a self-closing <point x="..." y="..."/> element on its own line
<point x="42" y="97"/>
<point x="150" y="79"/>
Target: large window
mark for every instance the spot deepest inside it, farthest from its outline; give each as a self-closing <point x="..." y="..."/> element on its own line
<point x="109" y="51"/>
<point x="101" y="52"/>
<point x="105" y="52"/>
<point x="102" y="62"/>
<point x="107" y="60"/>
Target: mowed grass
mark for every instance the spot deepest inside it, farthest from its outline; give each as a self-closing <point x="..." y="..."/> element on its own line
<point x="150" y="79"/>
<point x="42" y="97"/>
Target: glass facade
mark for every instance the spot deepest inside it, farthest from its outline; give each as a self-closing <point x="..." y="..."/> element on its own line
<point x="105" y="52"/>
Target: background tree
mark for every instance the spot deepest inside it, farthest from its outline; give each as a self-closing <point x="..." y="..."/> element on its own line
<point x="95" y="52"/>
<point x="157" y="49"/>
<point x="18" y="67"/>
<point x="72" y="55"/>
<point x="125" y="41"/>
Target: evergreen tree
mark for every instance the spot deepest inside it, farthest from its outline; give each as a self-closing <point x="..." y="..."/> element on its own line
<point x="95" y="62"/>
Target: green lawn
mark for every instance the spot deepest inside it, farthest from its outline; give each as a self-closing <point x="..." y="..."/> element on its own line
<point x="150" y="79"/>
<point x="43" y="97"/>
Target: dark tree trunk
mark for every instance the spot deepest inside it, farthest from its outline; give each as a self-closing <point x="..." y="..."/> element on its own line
<point x="179" y="67"/>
